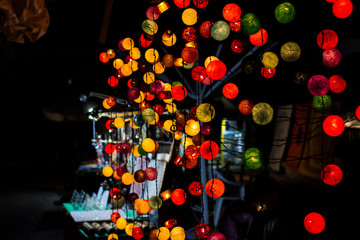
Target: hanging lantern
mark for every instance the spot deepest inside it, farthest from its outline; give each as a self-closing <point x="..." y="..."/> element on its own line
<point x="231" y="12"/>
<point x="253" y="158"/>
<point x="322" y="102"/>
<point x="331" y="174"/>
<point x="205" y="112"/>
<point x="103" y="57"/>
<point x="327" y="39"/>
<point x="141" y="206"/>
<point x="202" y="230"/>
<point x="238" y="45"/>
<point x="318" y="85"/>
<point x="268" y="73"/>
<point x="144" y="42"/>
<point x="192" y="152"/>
<point x="230" y="91"/>
<point x="196" y="188"/>
<point x="182" y="3"/>
<point x="189" y="16"/>
<point x="342" y="8"/>
<point x="115" y="216"/>
<point x="290" y="51"/>
<point x="235" y="26"/>
<point x="178" y="196"/>
<point x="151" y="55"/>
<point x="155" y="202"/>
<point x="269" y="60"/>
<point x="209" y="150"/>
<point x="262" y="113"/>
<point x="250" y="23"/>
<point x="220" y="30"/>
<point x="121" y="223"/>
<point x="149" y="26"/>
<point x="314" y="223"/>
<point x="169" y="38"/>
<point x="216" y="236"/>
<point x="205" y="29"/>
<point x="333" y="125"/>
<point x="198" y="73"/>
<point x="259" y="38"/>
<point x="177" y="233"/>
<point x="150" y="174"/>
<point x="192" y="127"/>
<point x="189" y="54"/>
<point x="216" y="70"/>
<point x="127" y="178"/>
<point x="337" y="84"/>
<point x="165" y="195"/>
<point x="179" y="92"/>
<point x="137" y="232"/>
<point x="163" y="6"/>
<point x="215" y="188"/>
<point x="285" y="12"/>
<point x="331" y="57"/>
<point x="189" y="34"/>
<point x="170" y="223"/>
<point x="107" y="171"/>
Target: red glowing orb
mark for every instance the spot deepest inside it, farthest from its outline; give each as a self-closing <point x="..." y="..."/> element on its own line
<point x="259" y="38"/>
<point x="150" y="174"/>
<point x="192" y="152"/>
<point x="178" y="92"/>
<point x="109" y="148"/>
<point x="202" y="230"/>
<point x="137" y="233"/>
<point x="198" y="73"/>
<point x="342" y="8"/>
<point x="230" y="90"/>
<point x="215" y="188"/>
<point x="196" y="188"/>
<point x="103" y="57"/>
<point x="314" y="223"/>
<point x="189" y="34"/>
<point x="231" y="12"/>
<point x="337" y="84"/>
<point x="205" y="29"/>
<point x="331" y="174"/>
<point x="216" y="70"/>
<point x="182" y="3"/>
<point x="115" y="193"/>
<point x="209" y="150"/>
<point x="238" y="45"/>
<point x="189" y="163"/>
<point x="115" y="216"/>
<point x="268" y="73"/>
<point x="357" y="112"/>
<point x="333" y="125"/>
<point x="178" y="196"/>
<point x="189" y="54"/>
<point x="246" y="106"/>
<point x="113" y="81"/>
<point x="327" y="39"/>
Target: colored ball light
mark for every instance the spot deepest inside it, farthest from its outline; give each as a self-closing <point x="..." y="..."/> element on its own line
<point x="117" y="63"/>
<point x="198" y="73"/>
<point x="206" y="129"/>
<point x="253" y="158"/>
<point x="163" y="233"/>
<point x="103" y="57"/>
<point x="189" y="54"/>
<point x="127" y="43"/>
<point x="268" y="73"/>
<point x="331" y="57"/>
<point x="209" y="60"/>
<point x="262" y="113"/>
<point x="235" y="26"/>
<point x="113" y="236"/>
<point x="109" y="148"/>
<point x="192" y="127"/>
<point x="220" y="30"/>
<point x="314" y="223"/>
<point x="115" y="216"/>
<point x="200" y="3"/>
<point x="230" y="91"/>
<point x="132" y="197"/>
<point x="121" y="223"/>
<point x="342" y="8"/>
<point x="245" y="107"/>
<point x="290" y="51"/>
<point x="318" y="85"/>
<point x="198" y="139"/>
<point x="156" y="87"/>
<point x="189" y="16"/>
<point x="192" y="152"/>
<point x="113" y="81"/>
<point x="152" y="13"/>
<point x="269" y="60"/>
<point x="169" y="38"/>
<point x="129" y="228"/>
<point x="285" y="12"/>
<point x="139" y="176"/>
<point x="250" y="23"/>
<point x="205" y="29"/>
<point x="115" y="193"/>
<point x="145" y="41"/>
<point x="155" y="202"/>
<point x="189" y="163"/>
<point x="216" y="70"/>
<point x="107" y="171"/>
<point x="333" y="125"/>
<point x="231" y="12"/>
<point x="141" y="206"/>
<point x="182" y="3"/>
<point x="148" y="145"/>
<point x="121" y="170"/>
<point x="238" y="45"/>
<point x="209" y="150"/>
<point x="357" y="112"/>
<point x="322" y="102"/>
<point x="137" y="233"/>
<point x="196" y="188"/>
<point x="189" y="34"/>
<point x="133" y="93"/>
<point x="150" y="174"/>
<point x="259" y="38"/>
<point x="127" y="178"/>
<point x="170" y="223"/>
<point x="216" y="236"/>
<point x="151" y="55"/>
<point x="149" y="26"/>
<point x="215" y="188"/>
<point x="148" y="115"/>
<point x="202" y="230"/>
<point x="178" y="196"/>
<point x="205" y="112"/>
<point x="168" y="60"/>
<point x="331" y="174"/>
<point x="327" y="39"/>
<point x="337" y="84"/>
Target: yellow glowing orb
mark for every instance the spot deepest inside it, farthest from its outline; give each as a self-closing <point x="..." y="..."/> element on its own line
<point x="205" y="112"/>
<point x="262" y="113"/>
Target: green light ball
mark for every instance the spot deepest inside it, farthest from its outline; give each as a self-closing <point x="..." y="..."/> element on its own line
<point x="322" y="102"/>
<point x="290" y="51"/>
<point x="250" y="23"/>
<point x="148" y="115"/>
<point x="220" y="30"/>
<point x="285" y="12"/>
<point x="262" y="113"/>
<point x="253" y="158"/>
<point x="155" y="202"/>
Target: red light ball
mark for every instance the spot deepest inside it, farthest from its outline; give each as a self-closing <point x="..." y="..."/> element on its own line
<point x="230" y="90"/>
<point x="209" y="150"/>
<point x="205" y="29"/>
<point x="159" y="109"/>
<point x="259" y="38"/>
<point x="200" y="3"/>
<point x="314" y="223"/>
<point x="196" y="188"/>
<point x="216" y="236"/>
<point x="178" y="92"/>
<point x="238" y="45"/>
<point x="189" y="163"/>
<point x="215" y="188"/>
<point x="327" y="39"/>
<point x="231" y="12"/>
<point x="235" y="26"/>
<point x="192" y="152"/>
<point x="357" y="112"/>
<point x="333" y="125"/>
<point x="115" y="216"/>
<point x="103" y="57"/>
<point x="133" y="93"/>
<point x="113" y="81"/>
<point x="150" y="174"/>
<point x="137" y="233"/>
<point x="192" y="112"/>
<point x="216" y="70"/>
<point x="342" y="8"/>
<point x="331" y="57"/>
<point x="115" y="193"/>
<point x="189" y="34"/>
<point x="182" y="3"/>
<point x="198" y="73"/>
<point x="156" y="87"/>
<point x="121" y="170"/>
<point x="331" y="174"/>
<point x="268" y="73"/>
<point x="202" y="230"/>
<point x="139" y="176"/>
<point x="178" y="196"/>
<point x="318" y="85"/>
<point x="246" y="106"/>
<point x="109" y="148"/>
<point x="189" y="54"/>
<point x="337" y="84"/>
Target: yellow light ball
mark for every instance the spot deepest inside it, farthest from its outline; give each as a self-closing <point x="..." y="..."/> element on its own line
<point x="192" y="127"/>
<point x="129" y="229"/>
<point x="149" y="77"/>
<point x="134" y="65"/>
<point x="187" y="142"/>
<point x="135" y="151"/>
<point x="119" y="122"/>
<point x="178" y="135"/>
<point x="127" y="178"/>
<point x="148" y="145"/>
<point x="159" y="68"/>
<point x="262" y="113"/>
<point x="169" y="38"/>
<point x="110" y="53"/>
<point x="167" y="125"/>
<point x="135" y="53"/>
<point x="189" y="16"/>
<point x="170" y="107"/>
<point x="107" y="171"/>
<point x="290" y="52"/>
<point x="113" y="236"/>
<point x="205" y="112"/>
<point x="140" y="98"/>
<point x="121" y="223"/>
<point x="156" y="120"/>
<point x="117" y="63"/>
<point x="270" y="60"/>
<point x="141" y="206"/>
<point x="126" y="70"/>
<point x="132" y="124"/>
<point x="168" y="100"/>
<point x="128" y="43"/>
<point x="152" y="55"/>
<point x="177" y="233"/>
<point x="105" y="104"/>
<point x="209" y="59"/>
<point x="167" y="87"/>
<point x="164" y="233"/>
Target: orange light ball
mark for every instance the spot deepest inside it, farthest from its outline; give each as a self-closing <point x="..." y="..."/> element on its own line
<point x="178" y="196"/>
<point x="231" y="12"/>
<point x="333" y="125"/>
<point x="216" y="70"/>
<point x="259" y="38"/>
<point x="230" y="90"/>
<point x="189" y="54"/>
<point x="182" y="3"/>
<point x="342" y="8"/>
<point x="209" y="150"/>
<point x="215" y="188"/>
<point x="246" y="106"/>
<point x="103" y="57"/>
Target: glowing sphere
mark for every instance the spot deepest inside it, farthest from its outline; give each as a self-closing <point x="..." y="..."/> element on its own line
<point x="132" y="197"/>
<point x="231" y="12"/>
<point x="216" y="236"/>
<point x="189" y="34"/>
<point x="177" y="233"/>
<point x="209" y="150"/>
<point x="192" y="127"/>
<point x="137" y="232"/>
<point x="322" y="102"/>
<point x="314" y="223"/>
<point x="145" y="40"/>
<point x="149" y="77"/>
<point x="115" y="216"/>
<point x="230" y="90"/>
<point x="187" y="141"/>
<point x="198" y="73"/>
<point x="189" y="16"/>
<point x="333" y="125"/>
<point x="129" y="228"/>
<point x="205" y="29"/>
<point x="250" y="23"/>
<point x="117" y="63"/>
<point x="151" y="55"/>
<point x="220" y="30"/>
<point x="113" y="236"/>
<point x="103" y="57"/>
<point x="342" y="8"/>
<point x="337" y="84"/>
<point x="152" y="13"/>
<point x="262" y="113"/>
<point x="331" y="174"/>
<point x="182" y="3"/>
<point x="318" y="85"/>
<point x="168" y="60"/>
<point x="189" y="163"/>
<point x="170" y="107"/>
<point x="327" y="39"/>
<point x="148" y="115"/>
<point x="331" y="57"/>
<point x="285" y="12"/>
<point x="259" y="38"/>
<point x="121" y="170"/>
<point x="107" y="171"/>
<point x="119" y="122"/>
<point x="268" y="73"/>
<point x="290" y="52"/>
<point x="192" y="152"/>
<point x="209" y="60"/>
<point x="215" y="188"/>
<point x="149" y="26"/>
<point x="235" y="26"/>
<point x="238" y="45"/>
<point x="141" y="206"/>
<point x="109" y="148"/>
<point x="216" y="70"/>
<point x="202" y="230"/>
<point x="189" y="54"/>
<point x="150" y="174"/>
<point x="245" y="107"/>
<point x="178" y="196"/>
<point x="139" y="176"/>
<point x="253" y="158"/>
<point x="196" y="188"/>
<point x="115" y="193"/>
<point x="205" y="112"/>
<point x="155" y="202"/>
<point x="269" y="60"/>
<point x="148" y="145"/>
<point x="127" y="178"/>
<point x="121" y="223"/>
<point x="357" y="112"/>
<point x="169" y="38"/>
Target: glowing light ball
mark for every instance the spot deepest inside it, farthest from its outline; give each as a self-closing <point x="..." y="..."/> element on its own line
<point x="107" y="171"/>
<point x="149" y="77"/>
<point x="178" y="196"/>
<point x="153" y="13"/>
<point x="209" y="150"/>
<point x="169" y="38"/>
<point x="202" y="230"/>
<point x="121" y="223"/>
<point x="137" y="233"/>
<point x="126" y="70"/>
<point x="115" y="216"/>
<point x="198" y="73"/>
<point x="115" y="193"/>
<point x="196" y="188"/>
<point x="314" y="223"/>
<point x="139" y="176"/>
<point x="145" y="41"/>
<point x="331" y="174"/>
<point x="270" y="60"/>
<point x="151" y="55"/>
<point x="238" y="45"/>
<point x="262" y="113"/>
<point x="168" y="60"/>
<point x="290" y="51"/>
<point x="148" y="115"/>
<point x="216" y="70"/>
<point x="333" y="125"/>
<point x="103" y="57"/>
<point x="220" y="30"/>
<point x="327" y="39"/>
<point x="189" y="163"/>
<point x="192" y="127"/>
<point x="170" y="107"/>
<point x="253" y="158"/>
<point x="189" y="16"/>
<point x="215" y="188"/>
<point x="121" y="170"/>
<point x="182" y="3"/>
<point x="113" y="236"/>
<point x="148" y="145"/>
<point x="337" y="84"/>
<point x="189" y="54"/>
<point x="119" y="122"/>
<point x="357" y="112"/>
<point x="209" y="60"/>
<point x="250" y="23"/>
<point x="156" y="87"/>
<point x="342" y="8"/>
<point x="117" y="63"/>
<point x="235" y="26"/>
<point x="231" y="12"/>
<point x="155" y="202"/>
<point x="189" y="34"/>
<point x="245" y="107"/>
<point x="150" y="174"/>
<point x="205" y="29"/>
<point x="181" y="118"/>
<point x="205" y="112"/>
<point x="149" y="26"/>
<point x="109" y="148"/>
<point x="318" y="85"/>
<point x="322" y="102"/>
<point x="163" y="6"/>
<point x="259" y="38"/>
<point x="177" y="233"/>
<point x="230" y="90"/>
<point x="285" y="12"/>
<point x="141" y="206"/>
<point x="127" y="178"/>
<point x="170" y="223"/>
<point x="268" y="73"/>
<point x="216" y="236"/>
<point x="129" y="228"/>
<point x="192" y="152"/>
<point x="205" y="129"/>
<point x="331" y="57"/>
